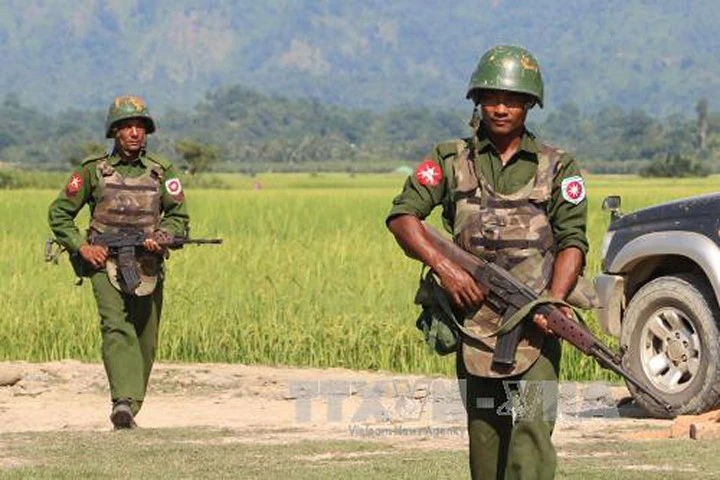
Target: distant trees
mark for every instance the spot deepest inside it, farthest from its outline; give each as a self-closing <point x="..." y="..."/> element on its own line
<point x="259" y="132"/>
<point x="84" y="150"/>
<point x="199" y="157"/>
<point x="675" y="166"/>
<point x="702" y="123"/>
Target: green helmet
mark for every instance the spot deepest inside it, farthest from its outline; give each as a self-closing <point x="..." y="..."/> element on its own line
<point x="125" y="107"/>
<point x="509" y="68"/>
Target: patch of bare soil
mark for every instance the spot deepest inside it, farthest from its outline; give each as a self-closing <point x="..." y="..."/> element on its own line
<point x="278" y="405"/>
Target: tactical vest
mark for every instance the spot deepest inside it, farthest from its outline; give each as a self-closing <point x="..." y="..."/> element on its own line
<point x="129" y="203"/>
<point x="124" y="203"/>
<point x="511" y="230"/>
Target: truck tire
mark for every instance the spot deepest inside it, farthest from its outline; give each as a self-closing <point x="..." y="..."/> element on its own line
<point x="671" y="342"/>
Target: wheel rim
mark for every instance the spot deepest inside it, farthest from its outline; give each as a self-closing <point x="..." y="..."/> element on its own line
<point x="670" y="350"/>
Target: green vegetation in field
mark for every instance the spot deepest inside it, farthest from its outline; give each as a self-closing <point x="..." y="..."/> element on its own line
<point x="677" y="459"/>
<point x="308" y="275"/>
<point x="14" y="179"/>
<point x="209" y="453"/>
<point x="170" y="454"/>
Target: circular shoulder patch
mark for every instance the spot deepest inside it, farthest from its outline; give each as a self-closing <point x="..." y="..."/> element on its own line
<point x="74" y="185"/>
<point x="173" y="186"/>
<point x="428" y="173"/>
<point x="573" y="189"/>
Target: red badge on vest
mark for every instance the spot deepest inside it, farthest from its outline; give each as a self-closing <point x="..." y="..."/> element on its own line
<point x="74" y="185"/>
<point x="428" y="173"/>
<point x="573" y="189"/>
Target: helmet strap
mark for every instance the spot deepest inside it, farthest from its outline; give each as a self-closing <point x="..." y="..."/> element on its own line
<point x="475" y="119"/>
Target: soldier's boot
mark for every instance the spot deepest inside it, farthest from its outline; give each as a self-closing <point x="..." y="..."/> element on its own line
<point x="122" y="417"/>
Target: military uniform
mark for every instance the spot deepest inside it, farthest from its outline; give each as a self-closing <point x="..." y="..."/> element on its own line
<point x="568" y="221"/>
<point x="519" y="215"/>
<point x="145" y="194"/>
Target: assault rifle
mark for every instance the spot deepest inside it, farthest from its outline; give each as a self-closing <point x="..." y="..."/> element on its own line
<point x="122" y="245"/>
<point x="506" y="296"/>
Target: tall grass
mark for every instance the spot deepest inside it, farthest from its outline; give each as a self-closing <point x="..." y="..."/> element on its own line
<point x="308" y="275"/>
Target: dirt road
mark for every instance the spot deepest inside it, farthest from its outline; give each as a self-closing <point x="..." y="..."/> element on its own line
<point x="286" y="404"/>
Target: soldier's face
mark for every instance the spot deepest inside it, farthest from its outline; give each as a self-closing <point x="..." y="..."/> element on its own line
<point x="130" y="135"/>
<point x="504" y="112"/>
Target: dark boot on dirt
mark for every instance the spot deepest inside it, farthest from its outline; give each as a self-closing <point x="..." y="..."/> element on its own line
<point x="122" y="417"/>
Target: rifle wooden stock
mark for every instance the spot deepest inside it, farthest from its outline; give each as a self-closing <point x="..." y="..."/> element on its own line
<point x="503" y="291"/>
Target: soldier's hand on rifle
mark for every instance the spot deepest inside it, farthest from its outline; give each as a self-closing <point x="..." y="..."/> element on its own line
<point x="157" y="241"/>
<point x="460" y="285"/>
<point x="542" y="323"/>
<point x="568" y="265"/>
<point x="95" y="255"/>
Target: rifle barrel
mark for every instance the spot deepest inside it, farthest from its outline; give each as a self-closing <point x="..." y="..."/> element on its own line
<point x="609" y="363"/>
<point x="199" y="241"/>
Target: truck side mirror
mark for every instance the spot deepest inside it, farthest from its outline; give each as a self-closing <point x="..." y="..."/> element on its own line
<point x="612" y="203"/>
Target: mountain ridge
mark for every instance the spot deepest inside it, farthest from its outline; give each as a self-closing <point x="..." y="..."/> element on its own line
<point x="361" y="54"/>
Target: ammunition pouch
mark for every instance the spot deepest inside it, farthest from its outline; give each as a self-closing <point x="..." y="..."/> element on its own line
<point x="583" y="295"/>
<point x="81" y="268"/>
<point x="436" y="320"/>
<point x="135" y="274"/>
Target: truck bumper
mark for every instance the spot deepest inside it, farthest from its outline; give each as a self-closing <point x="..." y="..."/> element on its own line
<point x="611" y="294"/>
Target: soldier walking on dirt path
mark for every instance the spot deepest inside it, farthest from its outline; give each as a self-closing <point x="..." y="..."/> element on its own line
<point x="128" y="189"/>
<point x="514" y="201"/>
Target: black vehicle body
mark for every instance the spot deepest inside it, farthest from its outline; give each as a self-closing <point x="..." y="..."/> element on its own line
<point x="659" y="291"/>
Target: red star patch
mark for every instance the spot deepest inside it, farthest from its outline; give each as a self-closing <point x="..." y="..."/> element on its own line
<point x="428" y="173"/>
<point x="74" y="185"/>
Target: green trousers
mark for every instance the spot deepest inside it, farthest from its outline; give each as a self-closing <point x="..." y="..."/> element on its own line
<point x="129" y="326"/>
<point x="511" y="420"/>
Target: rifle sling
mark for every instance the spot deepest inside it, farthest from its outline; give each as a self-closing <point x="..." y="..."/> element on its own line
<point x="473" y="339"/>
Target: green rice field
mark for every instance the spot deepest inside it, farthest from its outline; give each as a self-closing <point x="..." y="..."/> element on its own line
<point x="308" y="275"/>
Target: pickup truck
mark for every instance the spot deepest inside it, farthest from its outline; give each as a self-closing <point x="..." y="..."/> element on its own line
<point x="659" y="291"/>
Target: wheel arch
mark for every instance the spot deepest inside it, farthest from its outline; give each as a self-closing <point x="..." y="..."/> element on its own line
<point x="666" y="253"/>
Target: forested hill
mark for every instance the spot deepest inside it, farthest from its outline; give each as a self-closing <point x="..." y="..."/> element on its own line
<point x="251" y="131"/>
<point x="657" y="55"/>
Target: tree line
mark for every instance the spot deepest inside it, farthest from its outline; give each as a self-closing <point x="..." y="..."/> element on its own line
<point x="238" y="129"/>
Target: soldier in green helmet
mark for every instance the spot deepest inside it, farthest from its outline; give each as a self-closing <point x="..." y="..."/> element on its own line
<point x="517" y="202"/>
<point x="128" y="189"/>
